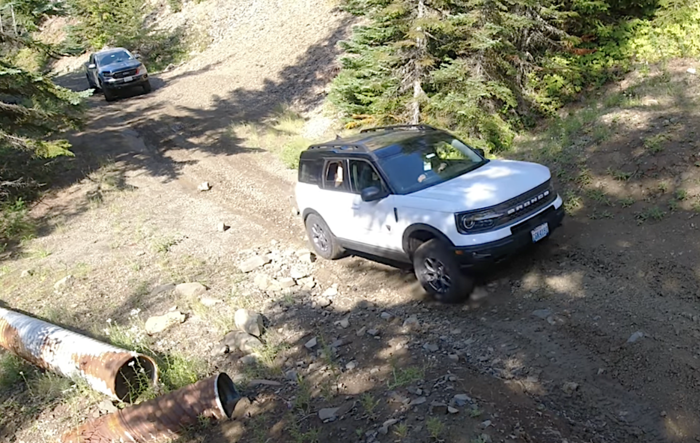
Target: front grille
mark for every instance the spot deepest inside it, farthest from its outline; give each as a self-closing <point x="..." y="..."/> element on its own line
<point x="127" y="73"/>
<point x="513" y="210"/>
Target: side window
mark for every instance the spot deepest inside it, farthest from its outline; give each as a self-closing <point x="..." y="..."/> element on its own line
<point x="310" y="171"/>
<point x="335" y="176"/>
<point x="363" y="175"/>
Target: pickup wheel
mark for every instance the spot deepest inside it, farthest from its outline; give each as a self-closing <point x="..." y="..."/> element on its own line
<point x="439" y="272"/>
<point x="322" y="239"/>
<point x="109" y="95"/>
<point x="147" y="87"/>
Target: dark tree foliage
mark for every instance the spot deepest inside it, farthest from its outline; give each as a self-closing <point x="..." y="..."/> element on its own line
<point x="487" y="67"/>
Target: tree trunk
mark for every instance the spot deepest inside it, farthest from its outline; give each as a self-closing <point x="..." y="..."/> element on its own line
<point x="418" y="68"/>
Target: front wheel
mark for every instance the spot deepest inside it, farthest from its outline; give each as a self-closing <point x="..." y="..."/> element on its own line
<point x="147" y="87"/>
<point x="109" y="95"/>
<point x="438" y="271"/>
<point x="322" y="239"/>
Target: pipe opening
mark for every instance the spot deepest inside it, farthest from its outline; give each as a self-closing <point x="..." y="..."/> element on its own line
<point x="226" y="394"/>
<point x="134" y="377"/>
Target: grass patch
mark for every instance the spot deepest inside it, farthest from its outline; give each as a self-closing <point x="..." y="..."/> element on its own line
<point x="12" y="369"/>
<point x="435" y="427"/>
<point x="653" y="213"/>
<point x="619" y="175"/>
<point x="599" y="197"/>
<point x="369" y="404"/>
<point x="405" y="376"/>
<point x="655" y="143"/>
<point x="681" y="194"/>
<point x="627" y="202"/>
<point x="572" y="202"/>
<point x="178" y="370"/>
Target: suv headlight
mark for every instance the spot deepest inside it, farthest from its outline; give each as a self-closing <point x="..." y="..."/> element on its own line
<point x="476" y="221"/>
<point x="141" y="70"/>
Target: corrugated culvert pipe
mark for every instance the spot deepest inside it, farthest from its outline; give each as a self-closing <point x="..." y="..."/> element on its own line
<point x="115" y="372"/>
<point x="163" y="417"/>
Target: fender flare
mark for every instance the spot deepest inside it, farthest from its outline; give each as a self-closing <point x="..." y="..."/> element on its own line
<point x="422" y="227"/>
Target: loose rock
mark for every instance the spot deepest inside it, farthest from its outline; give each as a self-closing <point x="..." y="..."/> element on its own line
<point x="222" y="227"/>
<point x="253" y="263"/>
<point x="418" y="401"/>
<point x="330" y="292"/>
<point x="323" y="302"/>
<point x="453" y="357"/>
<point x="373" y="332"/>
<point x="160" y="323"/>
<point x="63" y="283"/>
<point x="569" y="387"/>
<point x="386" y="425"/>
<point x="286" y="282"/>
<point x="249" y="321"/>
<point x="107" y="406"/>
<point x="193" y="289"/>
<point x="351" y="365"/>
<point x="431" y="347"/>
<point x="411" y="321"/>
<point x="634" y="337"/>
<point x="462" y="399"/>
<point x="452" y="410"/>
<point x="262" y="281"/>
<point x="161" y="289"/>
<point x="298" y="274"/>
<point x="327" y="414"/>
<point x="542" y="313"/>
<point x="209" y="302"/>
<point x="26" y="273"/>
<point x="360" y="332"/>
<point x="307" y="283"/>
<point x="204" y="186"/>
<point x="291" y="375"/>
<point x="485" y="424"/>
<point x="249" y="360"/>
<point x="386" y="316"/>
<point x="311" y="343"/>
<point x="344" y="323"/>
<point x="242" y="341"/>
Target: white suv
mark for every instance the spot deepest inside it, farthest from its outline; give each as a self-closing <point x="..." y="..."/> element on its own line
<point x="417" y="194"/>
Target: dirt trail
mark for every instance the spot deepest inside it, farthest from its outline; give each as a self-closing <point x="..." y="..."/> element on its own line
<point x="552" y="328"/>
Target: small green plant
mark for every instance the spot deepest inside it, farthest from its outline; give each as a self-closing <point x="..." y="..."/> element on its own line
<point x="655" y="143"/>
<point x="401" y="431"/>
<point x="302" y="399"/>
<point x="572" y="202"/>
<point x="584" y="177"/>
<point x="475" y="412"/>
<point x="402" y="377"/>
<point x="179" y="370"/>
<point x="599" y="197"/>
<point x="653" y="213"/>
<point x="619" y="175"/>
<point x="673" y="205"/>
<point x="435" y="427"/>
<point x="600" y="215"/>
<point x="299" y="436"/>
<point x="696" y="207"/>
<point x="681" y="194"/>
<point x="479" y="439"/>
<point x="627" y="202"/>
<point x="163" y="245"/>
<point x="12" y="369"/>
<point x="663" y="187"/>
<point x="369" y="404"/>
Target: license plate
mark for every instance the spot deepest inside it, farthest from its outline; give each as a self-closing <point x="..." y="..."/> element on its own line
<point x="128" y="79"/>
<point x="540" y="232"/>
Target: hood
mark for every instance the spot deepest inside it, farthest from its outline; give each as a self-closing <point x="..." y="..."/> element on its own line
<point x="495" y="182"/>
<point x="121" y="66"/>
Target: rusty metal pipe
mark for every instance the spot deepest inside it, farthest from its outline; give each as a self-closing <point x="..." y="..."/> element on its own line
<point x="163" y="417"/>
<point x="113" y="371"/>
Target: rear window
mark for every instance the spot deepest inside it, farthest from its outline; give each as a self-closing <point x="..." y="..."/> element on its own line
<point x="310" y="171"/>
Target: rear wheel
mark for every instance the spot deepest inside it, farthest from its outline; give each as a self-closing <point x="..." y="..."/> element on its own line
<point x="322" y="239"/>
<point x="439" y="273"/>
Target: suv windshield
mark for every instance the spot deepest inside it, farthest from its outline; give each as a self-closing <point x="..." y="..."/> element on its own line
<point x="113" y="57"/>
<point x="420" y="162"/>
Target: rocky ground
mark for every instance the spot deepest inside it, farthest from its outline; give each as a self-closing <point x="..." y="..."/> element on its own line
<point x="590" y="337"/>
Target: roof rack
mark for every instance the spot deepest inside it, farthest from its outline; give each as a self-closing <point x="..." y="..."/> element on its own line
<point x="400" y="127"/>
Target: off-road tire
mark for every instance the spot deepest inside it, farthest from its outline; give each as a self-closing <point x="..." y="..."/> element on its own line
<point x="147" y="87"/>
<point x="322" y="239"/>
<point x="109" y="95"/>
<point x="438" y="271"/>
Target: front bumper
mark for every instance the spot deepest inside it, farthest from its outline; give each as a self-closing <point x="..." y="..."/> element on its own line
<point x="520" y="239"/>
<point x="122" y="83"/>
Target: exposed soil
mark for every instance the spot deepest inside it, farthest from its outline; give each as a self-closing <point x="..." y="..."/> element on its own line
<point x="541" y="349"/>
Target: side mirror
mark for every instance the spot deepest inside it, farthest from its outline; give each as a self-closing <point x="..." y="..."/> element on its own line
<point x="92" y="66"/>
<point x="373" y="193"/>
<point x="137" y="56"/>
<point x="480" y="152"/>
